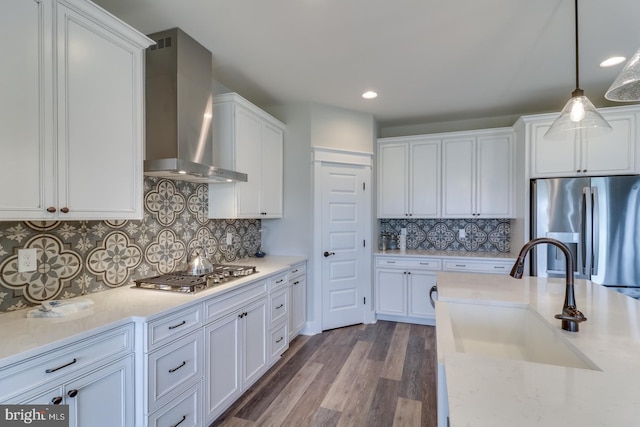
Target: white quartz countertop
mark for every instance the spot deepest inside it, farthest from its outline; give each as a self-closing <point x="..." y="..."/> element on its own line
<point x="23" y="337"/>
<point x="506" y="256"/>
<point x="497" y="391"/>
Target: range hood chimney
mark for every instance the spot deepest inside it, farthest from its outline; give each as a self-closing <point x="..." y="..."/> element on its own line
<point x="179" y="142"/>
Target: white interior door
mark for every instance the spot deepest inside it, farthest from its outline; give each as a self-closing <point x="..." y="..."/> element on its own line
<point x="346" y="277"/>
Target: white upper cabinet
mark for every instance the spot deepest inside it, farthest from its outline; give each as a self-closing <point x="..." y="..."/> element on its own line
<point x="409" y="177"/>
<point x="251" y="141"/>
<point x="614" y="153"/>
<point x="477" y="169"/>
<point x="71" y="113"/>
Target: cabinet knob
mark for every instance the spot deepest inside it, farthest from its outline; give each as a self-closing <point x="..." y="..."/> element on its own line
<point x="72" y="393"/>
<point x="578" y="171"/>
<point x="51" y="209"/>
<point x="56" y="400"/>
<point x="64" y="210"/>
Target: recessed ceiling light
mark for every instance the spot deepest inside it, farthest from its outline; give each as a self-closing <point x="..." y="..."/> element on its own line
<point x="614" y="60"/>
<point x="369" y="95"/>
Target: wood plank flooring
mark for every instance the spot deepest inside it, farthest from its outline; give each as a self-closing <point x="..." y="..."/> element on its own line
<point x="383" y="374"/>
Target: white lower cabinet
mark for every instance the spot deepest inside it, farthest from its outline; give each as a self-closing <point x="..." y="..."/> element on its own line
<point x="403" y="284"/>
<point x="404" y="293"/>
<point x="93" y="376"/>
<point x="235" y="355"/>
<point x="297" y="299"/>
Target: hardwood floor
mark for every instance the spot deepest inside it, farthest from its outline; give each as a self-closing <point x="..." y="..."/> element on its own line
<point x="382" y="374"/>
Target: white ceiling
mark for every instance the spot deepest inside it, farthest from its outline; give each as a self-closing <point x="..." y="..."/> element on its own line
<point x="430" y="61"/>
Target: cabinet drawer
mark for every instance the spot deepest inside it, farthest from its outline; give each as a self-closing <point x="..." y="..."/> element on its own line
<point x="222" y="305"/>
<point x="173" y="367"/>
<point x="70" y="359"/>
<point x="298" y="270"/>
<point x="184" y="411"/>
<point x="495" y="267"/>
<point x="279" y="303"/>
<point x="277" y="281"/>
<point x="417" y="263"/>
<point x="177" y="324"/>
<point x="279" y="341"/>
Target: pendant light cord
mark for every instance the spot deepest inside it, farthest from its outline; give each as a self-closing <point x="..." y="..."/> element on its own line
<point x="577" y="57"/>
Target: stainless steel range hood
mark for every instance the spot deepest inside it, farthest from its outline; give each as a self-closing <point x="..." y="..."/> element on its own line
<point x="179" y="142"/>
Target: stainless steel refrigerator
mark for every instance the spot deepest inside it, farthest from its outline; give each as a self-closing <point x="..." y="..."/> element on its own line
<point x="599" y="219"/>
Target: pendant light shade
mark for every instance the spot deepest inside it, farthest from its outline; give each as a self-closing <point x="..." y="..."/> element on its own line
<point x="579" y="116"/>
<point x="626" y="87"/>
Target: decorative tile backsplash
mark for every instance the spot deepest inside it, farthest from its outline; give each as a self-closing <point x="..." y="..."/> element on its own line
<point x="80" y="257"/>
<point x="481" y="235"/>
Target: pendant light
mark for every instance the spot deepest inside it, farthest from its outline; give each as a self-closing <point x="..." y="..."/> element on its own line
<point x="578" y="116"/>
<point x="626" y="87"/>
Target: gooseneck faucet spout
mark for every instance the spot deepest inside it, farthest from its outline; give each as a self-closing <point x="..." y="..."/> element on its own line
<point x="571" y="316"/>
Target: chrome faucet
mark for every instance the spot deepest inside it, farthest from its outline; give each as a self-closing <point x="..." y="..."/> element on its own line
<point x="571" y="316"/>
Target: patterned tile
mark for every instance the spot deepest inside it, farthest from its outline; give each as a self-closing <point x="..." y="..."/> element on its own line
<point x="80" y="257"/>
<point x="481" y="235"/>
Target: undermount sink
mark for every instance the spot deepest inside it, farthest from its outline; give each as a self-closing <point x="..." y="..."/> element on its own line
<point x="512" y="333"/>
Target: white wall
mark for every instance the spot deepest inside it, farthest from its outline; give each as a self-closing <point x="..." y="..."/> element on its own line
<point x="342" y="129"/>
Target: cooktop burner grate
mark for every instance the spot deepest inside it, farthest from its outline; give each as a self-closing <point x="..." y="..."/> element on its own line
<point x="188" y="283"/>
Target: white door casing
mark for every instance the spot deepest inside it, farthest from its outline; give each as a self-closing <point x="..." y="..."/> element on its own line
<point x="342" y="228"/>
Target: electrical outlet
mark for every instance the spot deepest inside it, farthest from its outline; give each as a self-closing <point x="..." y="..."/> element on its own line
<point x="27" y="260"/>
<point x="229" y="239"/>
<point x="462" y="234"/>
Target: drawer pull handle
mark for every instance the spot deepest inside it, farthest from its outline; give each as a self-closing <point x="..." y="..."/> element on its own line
<point x="391" y="262"/>
<point x="499" y="266"/>
<point x="72" y="393"/>
<point x="279" y="340"/>
<point x="296" y="282"/>
<point x="461" y="265"/>
<point x="171" y="371"/>
<point x="424" y="263"/>
<point x="294" y="271"/>
<point x="280" y="281"/>
<point x="279" y="307"/>
<point x="50" y="370"/>
<point x="56" y="400"/>
<point x="184" y="417"/>
<point x="178" y="325"/>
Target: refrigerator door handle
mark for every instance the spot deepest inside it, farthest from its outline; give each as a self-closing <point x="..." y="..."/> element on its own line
<point x="595" y="230"/>
<point x="587" y="243"/>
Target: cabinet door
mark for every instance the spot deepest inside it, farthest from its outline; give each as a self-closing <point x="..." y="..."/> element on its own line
<point x="254" y="356"/>
<point x="393" y="180"/>
<point x="26" y="110"/>
<point x="458" y="176"/>
<point x="551" y="158"/>
<point x="424" y="179"/>
<point x="271" y="171"/>
<point x="104" y="397"/>
<point x="391" y="292"/>
<point x="419" y="285"/>
<point x="99" y="121"/>
<point x="222" y="365"/>
<point x="494" y="197"/>
<point x="612" y="153"/>
<point x="248" y="135"/>
<point x="298" y="306"/>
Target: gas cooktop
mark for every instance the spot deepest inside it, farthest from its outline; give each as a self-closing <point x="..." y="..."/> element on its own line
<point x="188" y="283"/>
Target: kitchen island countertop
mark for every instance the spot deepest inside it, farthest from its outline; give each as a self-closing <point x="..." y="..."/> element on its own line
<point x="23" y="337"/>
<point x="497" y="391"/>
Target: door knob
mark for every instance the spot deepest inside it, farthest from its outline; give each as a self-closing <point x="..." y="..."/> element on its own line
<point x="326" y="254"/>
